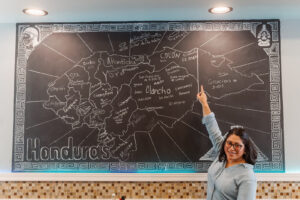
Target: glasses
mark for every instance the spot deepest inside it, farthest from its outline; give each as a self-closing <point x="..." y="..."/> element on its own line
<point x="236" y="146"/>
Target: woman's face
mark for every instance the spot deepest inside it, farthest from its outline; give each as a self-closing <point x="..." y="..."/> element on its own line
<point x="234" y="148"/>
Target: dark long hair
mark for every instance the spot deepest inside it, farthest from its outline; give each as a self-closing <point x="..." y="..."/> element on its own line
<point x="250" y="154"/>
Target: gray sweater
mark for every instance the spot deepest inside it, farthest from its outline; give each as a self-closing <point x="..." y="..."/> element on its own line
<point x="237" y="182"/>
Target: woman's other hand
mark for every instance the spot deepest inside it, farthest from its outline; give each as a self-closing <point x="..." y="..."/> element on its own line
<point x="201" y="96"/>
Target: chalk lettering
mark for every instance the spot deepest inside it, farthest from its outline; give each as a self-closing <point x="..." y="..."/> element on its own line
<point x="157" y="91"/>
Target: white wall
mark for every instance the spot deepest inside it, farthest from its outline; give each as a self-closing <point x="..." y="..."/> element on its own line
<point x="290" y="60"/>
<point x="7" y="68"/>
<point x="290" y="54"/>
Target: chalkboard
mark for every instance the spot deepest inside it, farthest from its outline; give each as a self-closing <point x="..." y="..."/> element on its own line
<point x="121" y="97"/>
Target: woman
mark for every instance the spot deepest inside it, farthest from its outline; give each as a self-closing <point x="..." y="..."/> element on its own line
<point x="231" y="175"/>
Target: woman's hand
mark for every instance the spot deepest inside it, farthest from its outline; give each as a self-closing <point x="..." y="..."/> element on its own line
<point x="201" y="96"/>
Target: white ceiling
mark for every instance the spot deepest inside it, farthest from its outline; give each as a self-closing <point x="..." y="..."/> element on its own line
<point x="146" y="10"/>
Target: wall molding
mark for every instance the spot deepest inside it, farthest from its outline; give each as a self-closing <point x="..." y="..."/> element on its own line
<point x="145" y="177"/>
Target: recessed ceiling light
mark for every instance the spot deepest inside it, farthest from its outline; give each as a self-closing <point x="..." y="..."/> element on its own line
<point x="220" y="10"/>
<point x="36" y="12"/>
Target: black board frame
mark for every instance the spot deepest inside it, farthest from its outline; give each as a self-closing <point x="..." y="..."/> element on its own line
<point x="18" y="165"/>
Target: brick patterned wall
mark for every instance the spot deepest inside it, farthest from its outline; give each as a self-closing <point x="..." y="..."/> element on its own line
<point x="132" y="190"/>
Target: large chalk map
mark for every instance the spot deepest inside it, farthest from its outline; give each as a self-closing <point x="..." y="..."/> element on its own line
<point x="121" y="97"/>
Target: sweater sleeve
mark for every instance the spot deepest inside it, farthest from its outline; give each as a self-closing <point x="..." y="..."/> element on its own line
<point x="213" y="130"/>
<point x="247" y="190"/>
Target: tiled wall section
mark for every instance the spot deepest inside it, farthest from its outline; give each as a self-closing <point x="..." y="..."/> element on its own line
<point x="133" y="190"/>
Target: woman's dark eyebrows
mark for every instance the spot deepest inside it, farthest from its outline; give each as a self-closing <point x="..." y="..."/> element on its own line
<point x="235" y="142"/>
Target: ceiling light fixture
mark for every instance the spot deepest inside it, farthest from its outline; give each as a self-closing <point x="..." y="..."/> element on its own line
<point x="35" y="12"/>
<point x="220" y="10"/>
